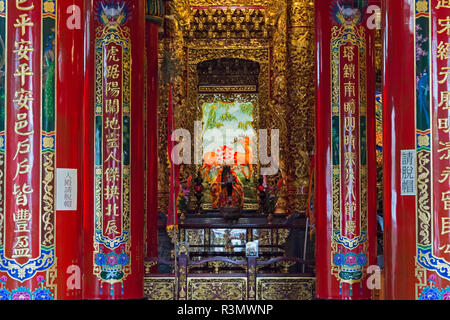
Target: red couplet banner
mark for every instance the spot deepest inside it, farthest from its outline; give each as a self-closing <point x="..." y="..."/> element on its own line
<point x="114" y="154"/>
<point x="345" y="194"/>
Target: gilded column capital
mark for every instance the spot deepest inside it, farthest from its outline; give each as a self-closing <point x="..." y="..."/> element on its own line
<point x="154" y="10"/>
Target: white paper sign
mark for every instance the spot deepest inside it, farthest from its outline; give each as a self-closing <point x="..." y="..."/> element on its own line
<point x="408" y="172"/>
<point x="66" y="189"/>
<point x="252" y="248"/>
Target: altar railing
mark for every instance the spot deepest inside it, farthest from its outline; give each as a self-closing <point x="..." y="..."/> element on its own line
<point x="211" y="235"/>
<point x="251" y="282"/>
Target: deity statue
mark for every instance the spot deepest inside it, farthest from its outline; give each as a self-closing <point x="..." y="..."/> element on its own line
<point x="227" y="189"/>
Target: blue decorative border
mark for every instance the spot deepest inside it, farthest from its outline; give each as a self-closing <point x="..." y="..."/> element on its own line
<point x="349" y="243"/>
<point x="25" y="272"/>
<point x="427" y="260"/>
<point x="23" y="293"/>
<point x="112" y="243"/>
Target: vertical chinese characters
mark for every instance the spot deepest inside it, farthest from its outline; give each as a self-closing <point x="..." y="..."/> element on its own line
<point x="442" y="55"/>
<point x="112" y="127"/>
<point x="349" y="101"/>
<point x="22" y="104"/>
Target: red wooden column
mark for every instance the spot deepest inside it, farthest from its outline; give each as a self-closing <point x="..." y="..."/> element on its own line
<point x="69" y="146"/>
<point x="39" y="223"/>
<point x="32" y="265"/>
<point x="345" y="151"/>
<point x="417" y="144"/>
<point x="114" y="154"/>
<point x="154" y="18"/>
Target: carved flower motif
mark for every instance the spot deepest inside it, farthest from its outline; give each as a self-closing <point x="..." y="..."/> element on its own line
<point x="350" y="260"/>
<point x="49" y="7"/>
<point x="362" y="259"/>
<point x="4" y="294"/>
<point x="100" y="259"/>
<point x="123" y="259"/>
<point x="21" y="293"/>
<point x="422" y="6"/>
<point x="111" y="259"/>
<point x="338" y="259"/>
<point x="446" y="295"/>
<point x="42" y="294"/>
<point x="424" y="140"/>
<point x="40" y="279"/>
<point x="430" y="294"/>
<point x="48" y="143"/>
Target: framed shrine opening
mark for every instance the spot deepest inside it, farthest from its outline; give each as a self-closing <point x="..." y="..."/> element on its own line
<point x="228" y="100"/>
<point x="226" y="91"/>
<point x="229" y="138"/>
<point x="219" y="214"/>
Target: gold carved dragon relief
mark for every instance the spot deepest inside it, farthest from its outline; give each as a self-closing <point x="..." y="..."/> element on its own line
<point x="301" y="101"/>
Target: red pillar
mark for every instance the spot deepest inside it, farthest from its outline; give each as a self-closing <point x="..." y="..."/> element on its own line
<point x="114" y="154"/>
<point x="416" y="88"/>
<point x="345" y="151"/>
<point x="38" y="240"/>
<point x="69" y="146"/>
<point x="154" y="16"/>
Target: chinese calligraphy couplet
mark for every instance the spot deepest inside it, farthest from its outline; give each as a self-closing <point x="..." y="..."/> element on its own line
<point x="345" y="148"/>
<point x="114" y="152"/>
<point x="23" y="130"/>
<point x="441" y="107"/>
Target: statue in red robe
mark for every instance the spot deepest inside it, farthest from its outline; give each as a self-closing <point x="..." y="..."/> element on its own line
<point x="227" y="189"/>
